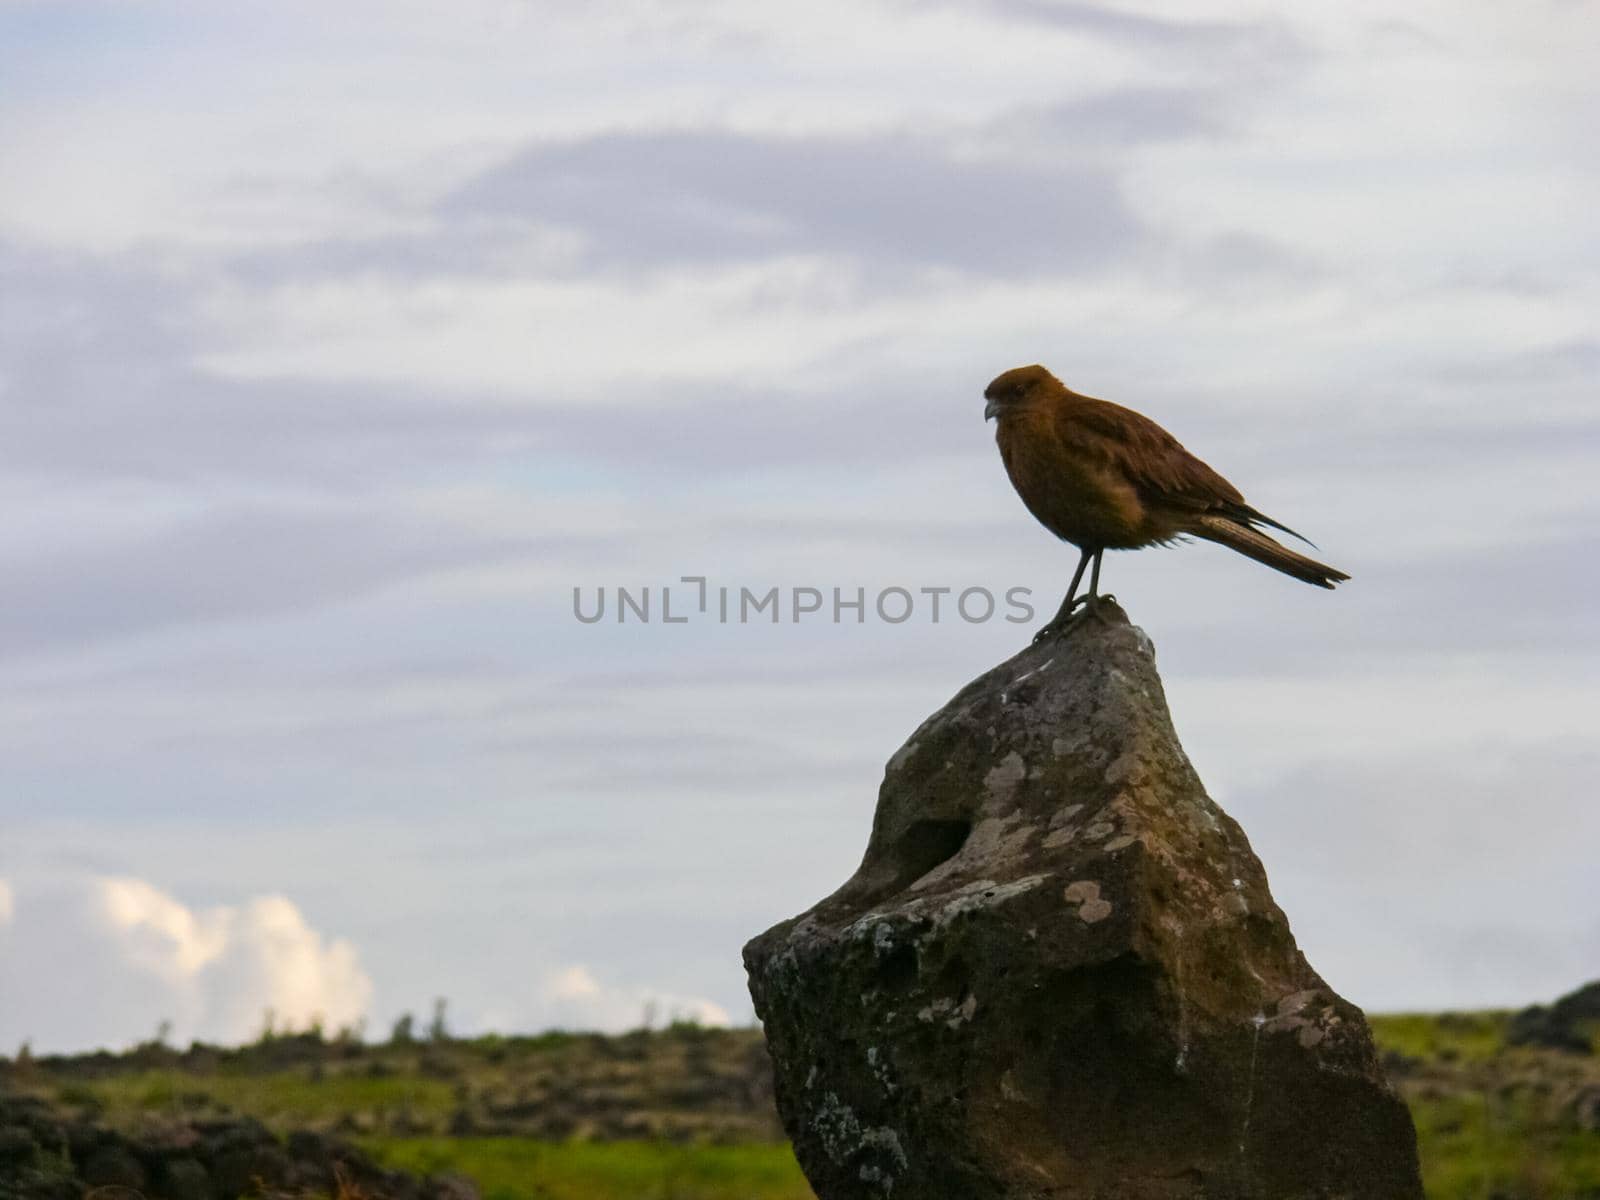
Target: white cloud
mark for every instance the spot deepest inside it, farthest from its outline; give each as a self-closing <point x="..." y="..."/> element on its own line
<point x="573" y="998"/>
<point x="8" y="903"/>
<point x="108" y="959"/>
<point x="161" y="934"/>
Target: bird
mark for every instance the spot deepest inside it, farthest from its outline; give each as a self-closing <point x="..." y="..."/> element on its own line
<point x="1104" y="477"/>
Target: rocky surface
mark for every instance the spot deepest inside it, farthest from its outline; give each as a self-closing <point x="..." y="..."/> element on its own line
<point x="1058" y="972"/>
<point x="46" y="1156"/>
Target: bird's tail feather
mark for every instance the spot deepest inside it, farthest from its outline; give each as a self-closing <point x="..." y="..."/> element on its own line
<point x="1254" y="516"/>
<point x="1252" y="543"/>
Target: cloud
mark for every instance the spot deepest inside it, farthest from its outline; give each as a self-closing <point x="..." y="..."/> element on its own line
<point x="1123" y="118"/>
<point x="108" y="959"/>
<point x="1270" y="46"/>
<point x="574" y="998"/>
<point x="1034" y="191"/>
<point x="1105" y="20"/>
<point x="707" y="196"/>
<point x="99" y="381"/>
<point x="8" y="903"/>
<point x="1576" y="360"/>
<point x="226" y="565"/>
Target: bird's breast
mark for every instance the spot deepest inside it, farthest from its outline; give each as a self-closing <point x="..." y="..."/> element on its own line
<point x="1075" y="495"/>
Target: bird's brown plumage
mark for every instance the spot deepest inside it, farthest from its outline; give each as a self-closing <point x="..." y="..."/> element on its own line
<point x="1103" y="477"/>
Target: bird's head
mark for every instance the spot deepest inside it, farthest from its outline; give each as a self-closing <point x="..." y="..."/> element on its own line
<point x="1017" y="387"/>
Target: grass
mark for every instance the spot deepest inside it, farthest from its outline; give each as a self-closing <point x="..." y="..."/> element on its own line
<point x="516" y="1169"/>
<point x="284" y="1098"/>
<point x="1465" y="1036"/>
<point x="1474" y="1147"/>
<point x="1488" y="1115"/>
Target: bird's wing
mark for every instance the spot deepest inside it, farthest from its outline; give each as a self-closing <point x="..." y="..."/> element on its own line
<point x="1146" y="455"/>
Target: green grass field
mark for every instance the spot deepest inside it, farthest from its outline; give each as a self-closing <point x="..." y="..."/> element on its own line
<point x="686" y="1114"/>
<point x="514" y="1169"/>
<point x="283" y="1099"/>
<point x="1470" y="1036"/>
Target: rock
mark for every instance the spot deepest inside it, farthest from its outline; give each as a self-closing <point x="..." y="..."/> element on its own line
<point x="1058" y="972"/>
<point x="449" y="1185"/>
<point x="44" y="1156"/>
<point x="242" y="1169"/>
<point x="18" y="1148"/>
<point x="114" y="1166"/>
<point x="1583" y="1110"/>
<point x="1572" y="1023"/>
<point x="184" y="1179"/>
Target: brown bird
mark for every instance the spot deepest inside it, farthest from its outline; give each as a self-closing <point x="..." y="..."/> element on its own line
<point x="1103" y="477"/>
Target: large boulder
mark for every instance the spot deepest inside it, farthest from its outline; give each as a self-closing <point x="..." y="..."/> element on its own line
<point x="1059" y="973"/>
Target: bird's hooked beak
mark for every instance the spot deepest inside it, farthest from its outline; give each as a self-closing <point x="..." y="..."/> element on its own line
<point x="991" y="410"/>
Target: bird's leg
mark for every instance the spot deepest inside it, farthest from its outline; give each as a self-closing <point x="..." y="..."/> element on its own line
<point x="1092" y="600"/>
<point x="1064" y="614"/>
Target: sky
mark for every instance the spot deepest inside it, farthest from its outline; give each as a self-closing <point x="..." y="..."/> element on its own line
<point x="340" y="344"/>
